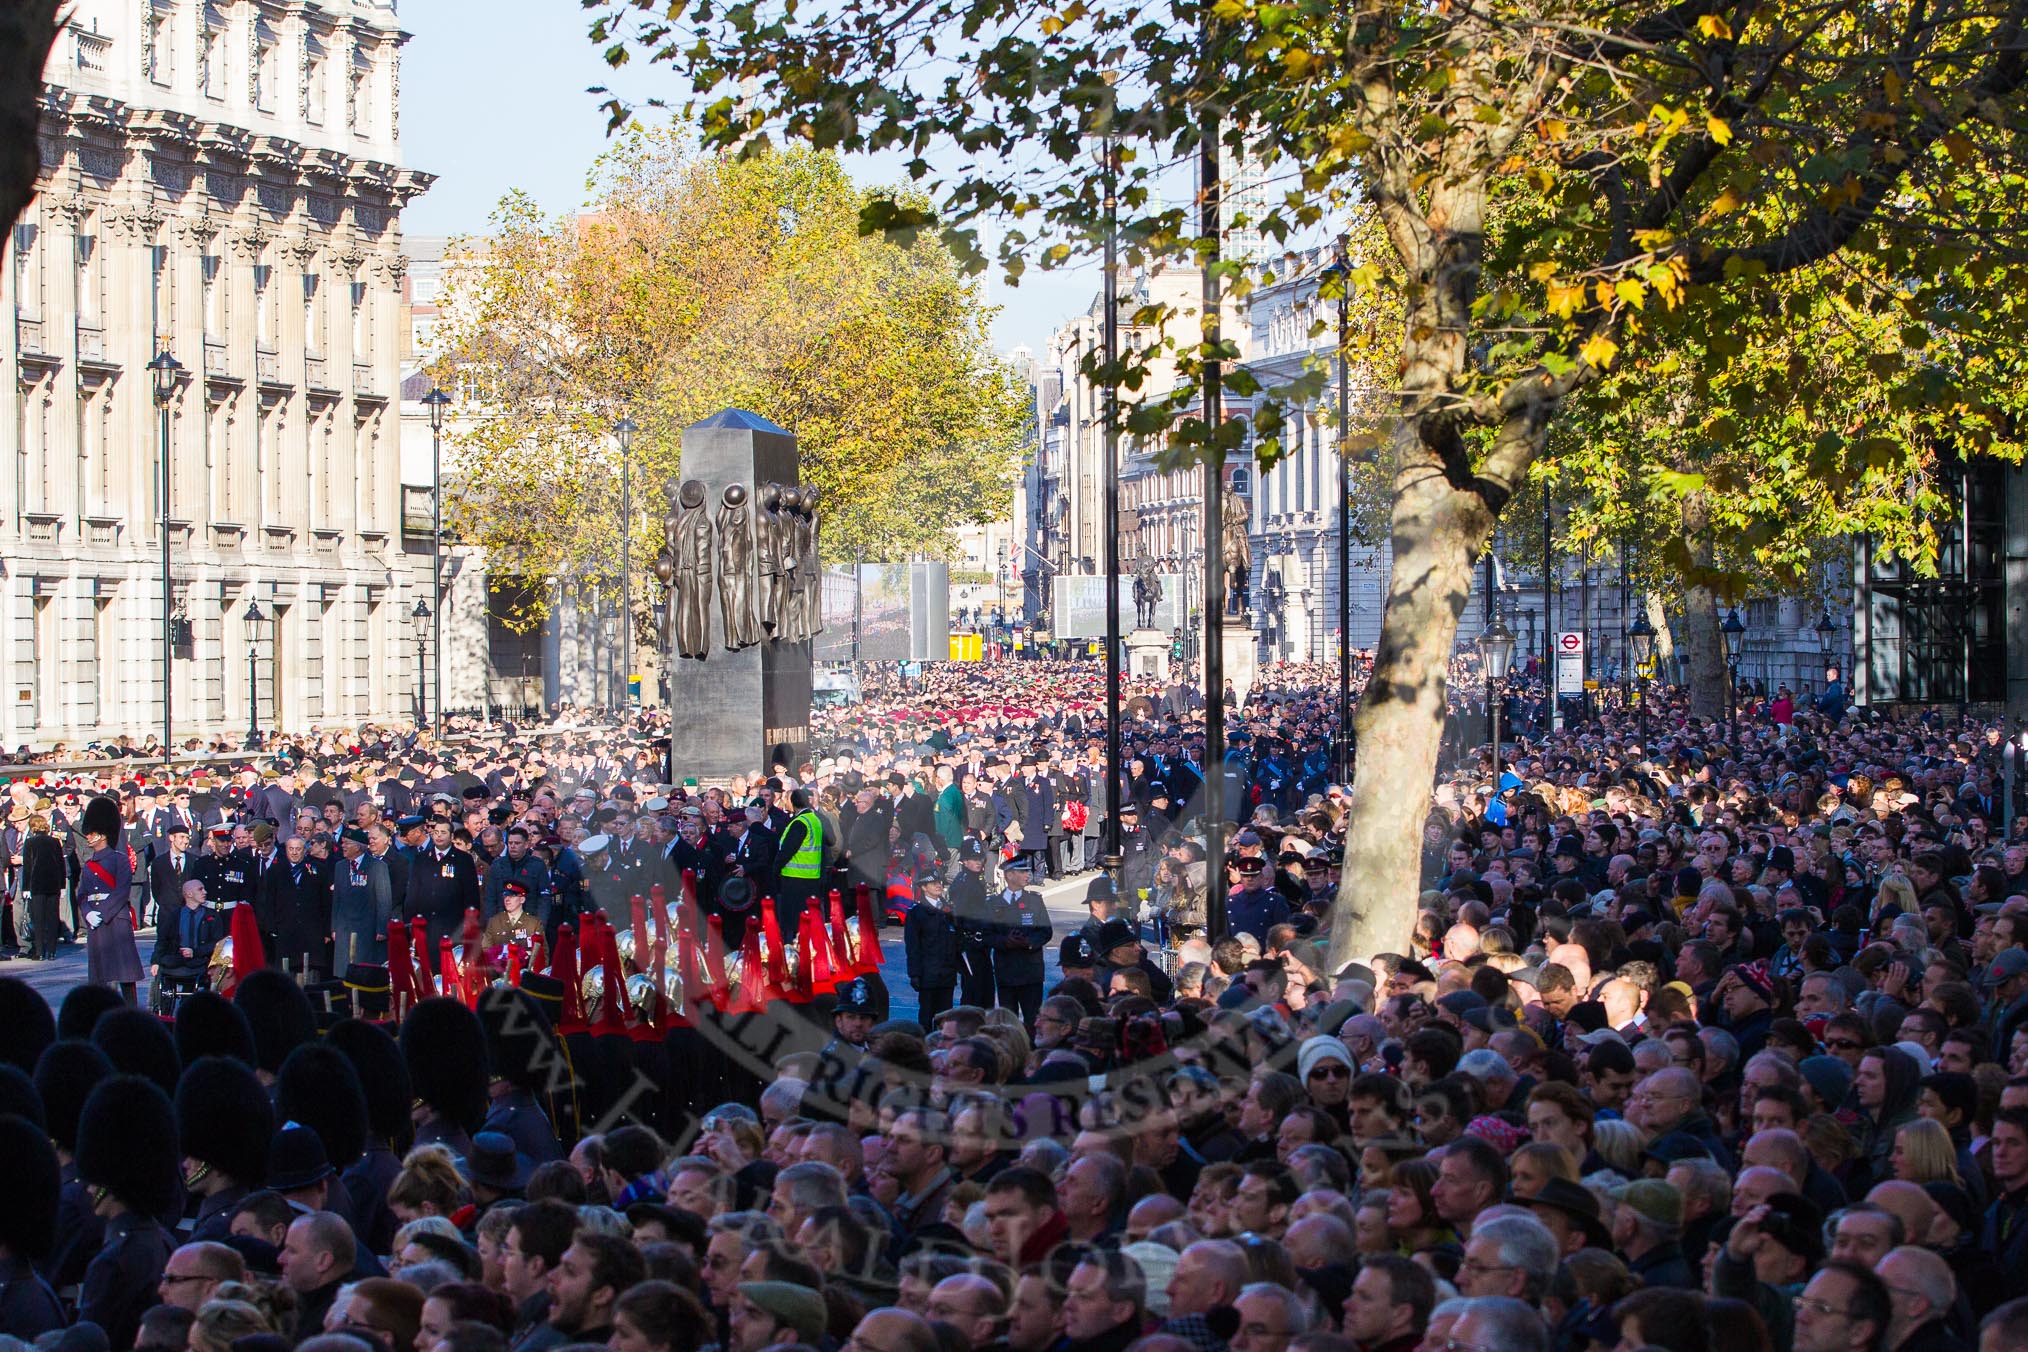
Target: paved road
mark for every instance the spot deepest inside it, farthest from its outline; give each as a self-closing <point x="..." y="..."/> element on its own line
<point x="1066" y="910"/>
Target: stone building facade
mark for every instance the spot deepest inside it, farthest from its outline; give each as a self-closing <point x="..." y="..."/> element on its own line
<point x="222" y="183"/>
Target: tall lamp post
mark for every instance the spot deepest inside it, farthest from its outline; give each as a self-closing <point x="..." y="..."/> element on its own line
<point x="437" y="401"/>
<point x="420" y="617"/>
<point x="1496" y="656"/>
<point x="256" y="625"/>
<point x="1734" y="629"/>
<point x="1641" y="638"/>
<point x="625" y="429"/>
<point x="167" y="371"/>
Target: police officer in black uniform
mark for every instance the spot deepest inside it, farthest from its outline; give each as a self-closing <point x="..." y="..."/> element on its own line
<point x="972" y="909"/>
<point x="1021" y="933"/>
<point x="930" y="938"/>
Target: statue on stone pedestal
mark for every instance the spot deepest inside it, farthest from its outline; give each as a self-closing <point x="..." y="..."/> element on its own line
<point x="810" y="571"/>
<point x="735" y="570"/>
<point x="692" y="551"/>
<point x="1237" y="554"/>
<point x="1147" y="592"/>
<point x="767" y="538"/>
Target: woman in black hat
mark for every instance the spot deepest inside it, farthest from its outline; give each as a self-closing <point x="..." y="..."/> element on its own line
<point x="103" y="898"/>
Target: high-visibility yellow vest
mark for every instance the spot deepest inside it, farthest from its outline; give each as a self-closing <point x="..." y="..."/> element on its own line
<point x="808" y="860"/>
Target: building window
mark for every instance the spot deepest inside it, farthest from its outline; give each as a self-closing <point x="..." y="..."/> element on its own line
<point x="361" y="329"/>
<point x="264" y="299"/>
<point x="355" y="91"/>
<point x="27" y="272"/>
<point x="158" y="53"/>
<point x="315" y="59"/>
<point x="211" y="58"/>
<point x="214" y="299"/>
<point x="90" y="279"/>
<point x="313" y="315"/>
<point x="265" y="76"/>
<point x="160" y="294"/>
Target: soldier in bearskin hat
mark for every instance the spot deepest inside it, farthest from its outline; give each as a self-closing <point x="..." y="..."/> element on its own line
<point x="128" y="1155"/>
<point x="280" y="1015"/>
<point x="27" y="1024"/>
<point x="446" y="1053"/>
<point x="112" y="959"/>
<point x="208" y="1024"/>
<point x="138" y="1043"/>
<point x="223" y="1121"/>
<point x="383" y="1078"/>
<point x="526" y="1060"/>
<point x="65" y="1076"/>
<point x="318" y="1089"/>
<point x="28" y="1305"/>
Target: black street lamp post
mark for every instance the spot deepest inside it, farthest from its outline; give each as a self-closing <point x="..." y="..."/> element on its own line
<point x="256" y="624"/>
<point x="437" y="401"/>
<point x="1734" y="630"/>
<point x="1641" y="638"/>
<point x="167" y="371"/>
<point x="1496" y="656"/>
<point x="421" y="616"/>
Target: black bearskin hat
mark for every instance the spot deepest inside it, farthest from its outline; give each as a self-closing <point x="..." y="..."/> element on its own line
<point x="81" y="1008"/>
<point x="102" y="818"/>
<point x="27" y="1024"/>
<point x="138" y="1043"/>
<point x="65" y="1076"/>
<point x="208" y="1024"/>
<point x="223" y="1118"/>
<point x="28" y="1221"/>
<point x="446" y="1053"/>
<point x="383" y="1074"/>
<point x="18" y="1094"/>
<point x="519" y="1040"/>
<point x="319" y="1089"/>
<point x="279" y="1013"/>
<point x="126" y="1144"/>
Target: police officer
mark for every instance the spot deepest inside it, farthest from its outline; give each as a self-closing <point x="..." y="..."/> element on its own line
<point x="851" y="1022"/>
<point x="1020" y="938"/>
<point x="1137" y="853"/>
<point x="972" y="910"/>
<point x="930" y="939"/>
<point x="1253" y="907"/>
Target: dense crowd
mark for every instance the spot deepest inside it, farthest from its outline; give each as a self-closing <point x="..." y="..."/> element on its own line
<point x="1693" y="1044"/>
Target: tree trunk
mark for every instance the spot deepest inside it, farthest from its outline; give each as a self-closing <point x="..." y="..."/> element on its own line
<point x="27" y="29"/>
<point x="1436" y="530"/>
<point x="1657" y="609"/>
<point x="1699" y="635"/>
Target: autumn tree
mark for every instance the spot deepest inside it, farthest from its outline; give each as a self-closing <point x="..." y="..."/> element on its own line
<point x="693" y="283"/>
<point x="1563" y="186"/>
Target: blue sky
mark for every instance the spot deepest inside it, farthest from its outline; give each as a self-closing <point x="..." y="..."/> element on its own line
<point x="493" y="99"/>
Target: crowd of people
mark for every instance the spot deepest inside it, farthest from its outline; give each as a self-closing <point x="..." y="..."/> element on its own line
<point x="1694" y="1044"/>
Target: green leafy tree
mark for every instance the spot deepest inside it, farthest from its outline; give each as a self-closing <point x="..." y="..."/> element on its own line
<point x="693" y="283"/>
<point x="1564" y="187"/>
